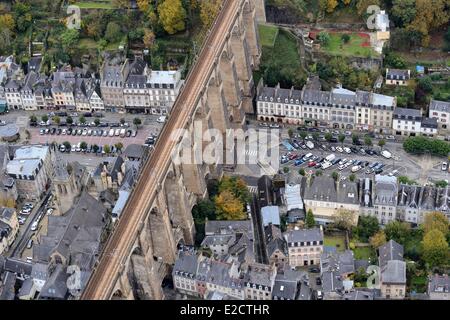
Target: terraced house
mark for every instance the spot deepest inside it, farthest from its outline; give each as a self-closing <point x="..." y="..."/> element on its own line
<point x="304" y="246"/>
<point x="339" y="108"/>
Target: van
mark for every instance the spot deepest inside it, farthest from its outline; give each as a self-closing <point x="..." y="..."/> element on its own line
<point x="386" y="154"/>
<point x="330" y="157"/>
<point x="310" y="145"/>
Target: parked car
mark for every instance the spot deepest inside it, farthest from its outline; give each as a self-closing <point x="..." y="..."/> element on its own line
<point x="34" y="226"/>
<point x="444" y="166"/>
<point x="29" y="244"/>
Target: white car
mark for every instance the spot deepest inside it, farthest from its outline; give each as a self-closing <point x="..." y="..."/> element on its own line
<point x="339" y="149"/>
<point x="49" y="211"/>
<point x="64" y="132"/>
<point x="393" y="173"/>
<point x="444" y="166"/>
<point x="347" y="150"/>
<point x="356" y="168"/>
<point x="161" y="119"/>
<point x="34" y="226"/>
<point x="111" y="133"/>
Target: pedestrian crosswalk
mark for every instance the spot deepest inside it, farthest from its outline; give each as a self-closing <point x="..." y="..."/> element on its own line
<point x="252" y="153"/>
<point x="253" y="189"/>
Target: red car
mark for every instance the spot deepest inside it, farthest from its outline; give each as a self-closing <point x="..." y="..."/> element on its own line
<point x="311" y="164"/>
<point x="293" y="156"/>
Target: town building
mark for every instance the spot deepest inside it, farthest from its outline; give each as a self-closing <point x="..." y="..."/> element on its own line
<point x="63" y="88"/>
<point x="384" y="199"/>
<point x="113" y="75"/>
<point x="440" y="110"/>
<point x="439" y="287"/>
<point x="392" y="270"/>
<point x="304" y="246"/>
<point x="9" y="226"/>
<point x="30" y="168"/>
<point x="397" y="77"/>
<point x="328" y="198"/>
<point x="259" y="281"/>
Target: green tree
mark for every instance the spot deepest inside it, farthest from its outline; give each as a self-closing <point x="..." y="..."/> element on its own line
<point x="319" y="173"/>
<point x="228" y="207"/>
<point x="67" y="145"/>
<point x="286" y="169"/>
<point x="335" y="175"/>
<point x="345" y="38"/>
<point x="381" y="143"/>
<point x="355" y="138"/>
<point x="352" y="177"/>
<point x="426" y="84"/>
<point x="82" y="119"/>
<point x="44" y="118"/>
<point x="204" y="209"/>
<point x="69" y="38"/>
<point x="95" y="148"/>
<point x="378" y="239"/>
<point x="436" y="220"/>
<point x="119" y="146"/>
<point x="137" y="122"/>
<point x="208" y="11"/>
<point x="328" y="136"/>
<point x="97" y="121"/>
<point x="107" y="149"/>
<point x="301" y="172"/>
<point x="435" y="248"/>
<point x="303" y="135"/>
<point x="341" y="138"/>
<point x="368" y="141"/>
<point x="397" y="231"/>
<point x="113" y="32"/>
<point x="69" y="120"/>
<point x="367" y="227"/>
<point x="83" y="145"/>
<point x="236" y="186"/>
<point x="56" y="120"/>
<point x="344" y="219"/>
<point x="403" y="12"/>
<point x="290" y="132"/>
<point x="33" y="118"/>
<point x="315" y="136"/>
<point x="309" y="220"/>
<point x="441" y="184"/>
<point x="172" y="16"/>
<point x="324" y="38"/>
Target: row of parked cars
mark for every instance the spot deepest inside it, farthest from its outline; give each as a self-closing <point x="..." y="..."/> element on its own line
<point x="314" y="161"/>
<point x="87" y="148"/>
<point x="90" y="132"/>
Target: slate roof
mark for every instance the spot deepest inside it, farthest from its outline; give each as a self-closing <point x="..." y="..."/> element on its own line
<point x="76" y="235"/>
<point x="260" y="274"/>
<point x="394" y="272"/>
<point x="303" y="235"/>
<point x="229" y="227"/>
<point x="332" y="282"/>
<point x="385" y="190"/>
<point x="391" y="250"/>
<point x="359" y="295"/>
<point x="348" y="192"/>
<point x="283" y="289"/>
<point x="442" y="106"/>
<point x="407" y="114"/>
<point x="133" y="151"/>
<point x="397" y="74"/>
<point x="276" y="244"/>
<point x="321" y="188"/>
<point x="429" y="123"/>
<point x="55" y="287"/>
<point x="439" y="284"/>
<point x="342" y="262"/>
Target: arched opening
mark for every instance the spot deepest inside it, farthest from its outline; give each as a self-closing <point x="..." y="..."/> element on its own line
<point x="118" y="295"/>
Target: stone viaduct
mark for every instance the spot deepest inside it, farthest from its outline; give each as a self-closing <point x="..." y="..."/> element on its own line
<point x="218" y="92"/>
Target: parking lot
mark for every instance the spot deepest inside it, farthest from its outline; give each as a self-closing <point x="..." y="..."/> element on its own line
<point x="421" y="169"/>
<point x="140" y="138"/>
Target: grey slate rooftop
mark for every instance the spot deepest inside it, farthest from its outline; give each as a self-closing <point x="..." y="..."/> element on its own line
<point x="437" y="105"/>
<point x="391" y="250"/>
<point x="304" y="235"/>
<point x="321" y="189"/>
<point x="394" y="272"/>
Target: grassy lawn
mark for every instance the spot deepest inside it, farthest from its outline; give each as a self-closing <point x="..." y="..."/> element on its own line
<point x="335" y="241"/>
<point x="364" y="253"/>
<point x="88" y="43"/>
<point x="267" y="34"/>
<point x="96" y="5"/>
<point x="352" y="48"/>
